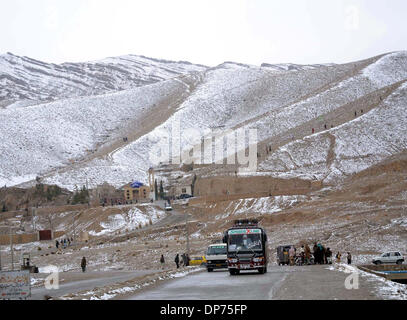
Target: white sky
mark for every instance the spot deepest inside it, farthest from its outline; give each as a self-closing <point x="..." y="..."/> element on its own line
<point x="207" y="32"/>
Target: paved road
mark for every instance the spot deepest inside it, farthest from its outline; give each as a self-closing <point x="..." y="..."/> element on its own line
<point x="217" y="285"/>
<point x="72" y="282"/>
<point x="280" y="283"/>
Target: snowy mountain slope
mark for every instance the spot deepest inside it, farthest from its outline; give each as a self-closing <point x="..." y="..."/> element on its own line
<point x="282" y="105"/>
<point x="272" y="103"/>
<point x="226" y="97"/>
<point x="22" y="78"/>
<point x="39" y="138"/>
<point x="357" y="144"/>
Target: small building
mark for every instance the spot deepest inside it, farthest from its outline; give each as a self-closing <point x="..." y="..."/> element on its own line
<point x="136" y="192"/>
<point x="186" y="189"/>
<point x="108" y="194"/>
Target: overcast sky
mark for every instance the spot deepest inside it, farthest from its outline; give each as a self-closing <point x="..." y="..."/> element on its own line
<point x="207" y="32"/>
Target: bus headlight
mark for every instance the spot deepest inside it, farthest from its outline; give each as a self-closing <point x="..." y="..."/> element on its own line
<point x="258" y="259"/>
<point x="232" y="260"/>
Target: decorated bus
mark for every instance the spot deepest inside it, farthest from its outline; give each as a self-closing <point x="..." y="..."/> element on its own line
<point x="246" y="247"/>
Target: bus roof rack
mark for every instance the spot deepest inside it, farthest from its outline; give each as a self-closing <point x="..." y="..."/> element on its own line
<point x="246" y="222"/>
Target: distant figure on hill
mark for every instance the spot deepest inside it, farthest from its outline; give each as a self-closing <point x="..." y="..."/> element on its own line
<point x="176" y="260"/>
<point x="162" y="261"/>
<point x="349" y="257"/>
<point x="313" y="130"/>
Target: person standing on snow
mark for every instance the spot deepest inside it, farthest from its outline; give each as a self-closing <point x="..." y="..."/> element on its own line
<point x="177" y="260"/>
<point x="162" y="260"/>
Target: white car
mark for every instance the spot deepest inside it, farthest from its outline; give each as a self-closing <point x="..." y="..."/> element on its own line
<point x="389" y="257"/>
<point x="168" y="207"/>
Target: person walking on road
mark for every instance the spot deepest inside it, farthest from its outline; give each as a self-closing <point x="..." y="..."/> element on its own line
<point x="177" y="260"/>
<point x="162" y="260"/>
<point x="83" y="264"/>
<point x="349" y="257"/>
<point x="57" y="244"/>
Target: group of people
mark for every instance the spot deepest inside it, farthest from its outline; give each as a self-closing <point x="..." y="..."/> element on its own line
<point x="63" y="243"/>
<point x="319" y="255"/>
<point x="184" y="260"/>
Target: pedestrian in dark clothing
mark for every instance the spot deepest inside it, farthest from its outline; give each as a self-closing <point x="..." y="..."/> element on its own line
<point x="316" y="254"/>
<point x="177" y="260"/>
<point x="356" y="114"/>
<point x="329" y="255"/>
<point x="57" y="244"/>
<point x="313" y="130"/>
<point x="349" y="257"/>
<point x="187" y="259"/>
<point x="162" y="261"/>
<point x="325" y="127"/>
<point x="83" y="264"/>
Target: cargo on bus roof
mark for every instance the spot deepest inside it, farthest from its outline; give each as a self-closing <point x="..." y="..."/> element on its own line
<point x="241" y="222"/>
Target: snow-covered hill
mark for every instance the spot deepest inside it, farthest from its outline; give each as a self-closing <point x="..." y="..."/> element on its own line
<point x="72" y="141"/>
<point x="22" y="78"/>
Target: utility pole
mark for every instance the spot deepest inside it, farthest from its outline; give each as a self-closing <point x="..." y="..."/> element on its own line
<point x="187" y="231"/>
<point x="33" y="217"/>
<point x="11" y="248"/>
<point x="73" y="224"/>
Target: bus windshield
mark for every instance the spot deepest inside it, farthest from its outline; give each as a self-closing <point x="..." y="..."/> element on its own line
<point x="216" y="250"/>
<point x="245" y="240"/>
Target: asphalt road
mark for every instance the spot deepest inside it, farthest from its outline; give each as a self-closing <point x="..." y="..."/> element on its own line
<point x="280" y="283"/>
<point x="217" y="285"/>
<point x="73" y="282"/>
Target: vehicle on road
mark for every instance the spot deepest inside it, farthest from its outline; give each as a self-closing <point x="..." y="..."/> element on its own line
<point x="197" y="261"/>
<point x="168" y="207"/>
<point x="216" y="257"/>
<point x="282" y="255"/>
<point x="389" y="257"/>
<point x="184" y="196"/>
<point x="246" y="247"/>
